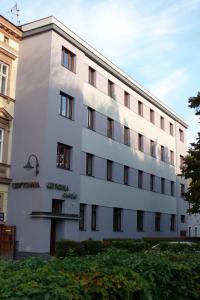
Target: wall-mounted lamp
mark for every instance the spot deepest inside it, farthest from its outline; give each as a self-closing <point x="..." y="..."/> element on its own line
<point x="28" y="165"/>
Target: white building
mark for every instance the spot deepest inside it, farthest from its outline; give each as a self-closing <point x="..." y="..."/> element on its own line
<point x="108" y="150"/>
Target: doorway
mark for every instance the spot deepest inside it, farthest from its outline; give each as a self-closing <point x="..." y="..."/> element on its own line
<point x="53" y="237"/>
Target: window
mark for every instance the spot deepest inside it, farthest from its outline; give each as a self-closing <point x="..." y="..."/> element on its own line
<point x="109" y="170"/>
<point x="171" y="128"/>
<point x="63" y="156"/>
<point x="57" y="206"/>
<point x="6" y="40"/>
<point x="127" y="99"/>
<point x="157" y="221"/>
<point x="140" y="179"/>
<point x="195" y="231"/>
<point x="91" y="118"/>
<point x="182" y="190"/>
<point x="3" y="78"/>
<point x="68" y="59"/>
<point x="140" y="220"/>
<point x="162" y="123"/>
<point x="110" y="126"/>
<point x="162" y="153"/>
<point x="110" y="89"/>
<point x="126" y="136"/>
<point x="171" y="157"/>
<point x="82" y="217"/>
<point x="172" y="188"/>
<point x="1" y="143"/>
<point x="92" y="76"/>
<point x="182" y="218"/>
<point x="189" y="230"/>
<point x="152" y="148"/>
<point x="89" y="164"/>
<point x="140" y="142"/>
<point x="162" y="185"/>
<point x="181" y="161"/>
<point x="181" y="135"/>
<point x="172" y="222"/>
<point x="126" y="175"/>
<point x="140" y="108"/>
<point x="94" y="217"/>
<point x="117" y="219"/>
<point x="152" y="116"/>
<point x="152" y="182"/>
<point x="66" y="105"/>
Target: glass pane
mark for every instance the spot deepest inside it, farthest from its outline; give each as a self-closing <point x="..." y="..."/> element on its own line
<point x="5" y="68"/>
<point x="65" y="59"/>
<point x="63" y="107"/>
<point x="3" y="85"/>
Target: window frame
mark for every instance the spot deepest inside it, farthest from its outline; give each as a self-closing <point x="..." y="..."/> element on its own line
<point x="111" y="89"/>
<point x="140" y="220"/>
<point x="67" y="156"/>
<point x="94" y="217"/>
<point x="110" y="128"/>
<point x="6" y="76"/>
<point x="172" y="188"/>
<point x="162" y="180"/>
<point x="109" y="170"/>
<point x="69" y="105"/>
<point x="117" y="219"/>
<point x="92" y="76"/>
<point x="152" y="116"/>
<point x="152" y="182"/>
<point x="2" y="130"/>
<point x="140" y="142"/>
<point x="140" y="108"/>
<point x="162" y="123"/>
<point x="126" y="99"/>
<point x="89" y="164"/>
<point x="140" y="179"/>
<point x="71" y="59"/>
<point x="126" y="136"/>
<point x="158" y="221"/>
<point x="126" y="175"/>
<point x="90" y="118"/>
<point x="172" y="222"/>
<point x="171" y="129"/>
<point x="82" y="217"/>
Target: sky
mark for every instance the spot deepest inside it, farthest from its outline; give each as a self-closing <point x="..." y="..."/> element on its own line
<point x="155" y="42"/>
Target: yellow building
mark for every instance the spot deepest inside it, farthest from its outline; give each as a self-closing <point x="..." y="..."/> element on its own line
<point x="10" y="37"/>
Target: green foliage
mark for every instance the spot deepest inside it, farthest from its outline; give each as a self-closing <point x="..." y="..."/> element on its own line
<point x="114" y="274"/>
<point x="191" y="167"/>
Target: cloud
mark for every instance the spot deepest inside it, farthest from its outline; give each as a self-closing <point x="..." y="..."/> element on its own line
<point x="165" y="88"/>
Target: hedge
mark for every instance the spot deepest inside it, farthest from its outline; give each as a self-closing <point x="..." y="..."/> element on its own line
<point x="112" y="275"/>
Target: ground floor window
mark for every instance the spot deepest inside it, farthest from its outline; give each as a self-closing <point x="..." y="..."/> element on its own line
<point x="94" y="217"/>
<point x="117" y="219"/>
<point x="82" y="217"/>
<point x="140" y="220"/>
<point x="157" y="221"/>
<point x="172" y="222"/>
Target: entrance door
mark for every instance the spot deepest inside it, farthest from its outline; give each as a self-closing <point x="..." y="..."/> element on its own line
<point x="53" y="238"/>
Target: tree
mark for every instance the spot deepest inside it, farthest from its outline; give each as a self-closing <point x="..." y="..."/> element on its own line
<point x="191" y="167"/>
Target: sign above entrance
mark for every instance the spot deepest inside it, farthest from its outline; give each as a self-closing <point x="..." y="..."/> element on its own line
<point x="26" y="185"/>
<point x="62" y="187"/>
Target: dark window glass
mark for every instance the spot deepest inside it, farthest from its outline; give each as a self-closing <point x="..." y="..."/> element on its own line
<point x="82" y="217"/>
<point x="162" y="153"/>
<point x="110" y="124"/>
<point x="68" y="59"/>
<point x="172" y="222"/>
<point x="182" y="218"/>
<point x="126" y="175"/>
<point x="92" y="76"/>
<point x="171" y="157"/>
<point x="181" y="135"/>
<point x="127" y="99"/>
<point x="117" y="219"/>
<point x="152" y="116"/>
<point x="162" y="123"/>
<point x="140" y="108"/>
<point x="89" y="164"/>
<point x="63" y="156"/>
<point x="140" y="179"/>
<point x="162" y="185"/>
<point x="94" y="217"/>
<point x="152" y="182"/>
<point x="90" y="118"/>
<point x="171" y="129"/>
<point x="140" y="220"/>
<point x="109" y="170"/>
<point x="140" y="142"/>
<point x="182" y="190"/>
<point x="157" y="221"/>
<point x="110" y="89"/>
<point x="152" y="148"/>
<point x="172" y="188"/>
<point x="126" y="136"/>
<point x="57" y="206"/>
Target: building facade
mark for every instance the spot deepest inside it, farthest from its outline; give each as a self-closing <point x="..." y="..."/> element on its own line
<point x="10" y="37"/>
<point x="108" y="151"/>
